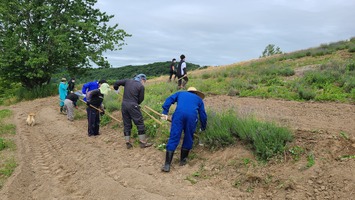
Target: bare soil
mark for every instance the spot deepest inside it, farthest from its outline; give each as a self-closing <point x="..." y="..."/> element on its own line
<point x="57" y="160"/>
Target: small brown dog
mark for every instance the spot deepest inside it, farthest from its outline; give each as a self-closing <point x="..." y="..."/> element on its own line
<point x="31" y="119"/>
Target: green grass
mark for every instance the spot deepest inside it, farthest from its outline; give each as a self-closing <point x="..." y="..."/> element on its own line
<point x="310" y="160"/>
<point x="7" y="129"/>
<point x="266" y="139"/>
<point x="5" y="113"/>
<point x="7" y="164"/>
<point x="7" y="168"/>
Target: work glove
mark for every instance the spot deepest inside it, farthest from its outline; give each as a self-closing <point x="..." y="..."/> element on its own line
<point x="117" y="91"/>
<point x="164" y="117"/>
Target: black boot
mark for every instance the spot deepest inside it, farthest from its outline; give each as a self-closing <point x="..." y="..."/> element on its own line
<point x="168" y="159"/>
<point x="61" y="109"/>
<point x="183" y="156"/>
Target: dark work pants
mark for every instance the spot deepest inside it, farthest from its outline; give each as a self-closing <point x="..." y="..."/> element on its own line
<point x="181" y="83"/>
<point x="93" y="121"/>
<point x="131" y="112"/>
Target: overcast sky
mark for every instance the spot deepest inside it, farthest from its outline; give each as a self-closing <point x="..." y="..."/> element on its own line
<point x="221" y="32"/>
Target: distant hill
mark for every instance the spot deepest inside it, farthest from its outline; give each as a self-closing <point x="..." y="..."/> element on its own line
<point x="151" y="70"/>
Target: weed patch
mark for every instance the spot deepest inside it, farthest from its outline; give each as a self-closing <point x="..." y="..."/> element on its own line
<point x="267" y="139"/>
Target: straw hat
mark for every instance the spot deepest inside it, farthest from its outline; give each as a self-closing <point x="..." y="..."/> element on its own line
<point x="63" y="79"/>
<point x="194" y="90"/>
<point x="104" y="88"/>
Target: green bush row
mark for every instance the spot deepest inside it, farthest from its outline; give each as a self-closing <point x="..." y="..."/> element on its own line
<point x="266" y="138"/>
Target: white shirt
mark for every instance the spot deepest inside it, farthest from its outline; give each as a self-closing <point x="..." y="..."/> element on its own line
<point x="183" y="66"/>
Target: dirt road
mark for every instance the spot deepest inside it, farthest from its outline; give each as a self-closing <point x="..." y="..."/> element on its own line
<point x="57" y="160"/>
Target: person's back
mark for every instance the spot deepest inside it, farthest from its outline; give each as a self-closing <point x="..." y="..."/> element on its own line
<point x="96" y="98"/>
<point x="87" y="87"/>
<point x="187" y="102"/>
<point x="73" y="97"/>
<point x="133" y="90"/>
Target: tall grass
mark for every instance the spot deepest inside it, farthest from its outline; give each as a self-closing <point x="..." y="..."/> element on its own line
<point x="266" y="138"/>
<point x="7" y="163"/>
<point x="37" y="92"/>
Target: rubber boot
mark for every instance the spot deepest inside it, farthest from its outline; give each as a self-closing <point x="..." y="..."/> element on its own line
<point x="183" y="156"/>
<point x="127" y="136"/>
<point x="168" y="159"/>
<point x="61" y="109"/>
<point x="143" y="140"/>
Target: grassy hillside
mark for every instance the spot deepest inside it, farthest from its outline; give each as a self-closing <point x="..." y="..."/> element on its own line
<point x="325" y="73"/>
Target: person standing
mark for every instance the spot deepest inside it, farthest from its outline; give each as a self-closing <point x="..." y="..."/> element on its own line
<point x="71" y="85"/>
<point x="69" y="104"/>
<point x="95" y="108"/>
<point x="133" y="96"/>
<point x="62" y="89"/>
<point x="189" y="108"/>
<point x="87" y="87"/>
<point x="172" y="69"/>
<point x="181" y="73"/>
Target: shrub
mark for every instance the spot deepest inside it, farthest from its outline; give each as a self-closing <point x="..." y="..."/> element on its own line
<point x="306" y="94"/>
<point x="218" y="133"/>
<point x="37" y="92"/>
<point x="112" y="101"/>
<point x="352" y="48"/>
<point x="266" y="138"/>
<point x="350" y="67"/>
<point x="287" y="72"/>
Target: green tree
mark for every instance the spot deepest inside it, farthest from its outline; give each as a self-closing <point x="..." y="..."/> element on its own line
<point x="41" y="37"/>
<point x="271" y="50"/>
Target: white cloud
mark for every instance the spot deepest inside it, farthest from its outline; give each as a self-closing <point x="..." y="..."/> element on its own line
<point x="213" y="32"/>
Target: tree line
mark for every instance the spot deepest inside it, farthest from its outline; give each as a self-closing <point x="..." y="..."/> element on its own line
<point x="151" y="70"/>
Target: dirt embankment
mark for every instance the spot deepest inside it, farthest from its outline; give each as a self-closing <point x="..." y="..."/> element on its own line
<point x="57" y="160"/>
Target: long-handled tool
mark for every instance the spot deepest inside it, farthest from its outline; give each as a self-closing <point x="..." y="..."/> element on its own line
<point x="147" y="107"/>
<point x="102" y="111"/>
<point x="182" y="77"/>
<point x="159" y="122"/>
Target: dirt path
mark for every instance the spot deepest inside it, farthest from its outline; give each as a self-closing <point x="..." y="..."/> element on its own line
<point x="58" y="161"/>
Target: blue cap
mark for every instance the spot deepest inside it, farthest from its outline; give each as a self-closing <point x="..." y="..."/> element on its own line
<point x="140" y="77"/>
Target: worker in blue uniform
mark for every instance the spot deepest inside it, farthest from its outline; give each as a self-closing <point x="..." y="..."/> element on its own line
<point x="89" y="86"/>
<point x="190" y="108"/>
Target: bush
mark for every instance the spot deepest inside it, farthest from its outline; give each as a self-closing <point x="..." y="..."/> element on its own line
<point x="350" y="67"/>
<point x="218" y="133"/>
<point x="37" y="92"/>
<point x="266" y="138"/>
<point x="112" y="101"/>
<point x="306" y="94"/>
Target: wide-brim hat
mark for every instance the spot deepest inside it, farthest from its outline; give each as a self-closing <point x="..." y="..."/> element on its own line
<point x="63" y="79"/>
<point x="194" y="90"/>
<point x="104" y="88"/>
